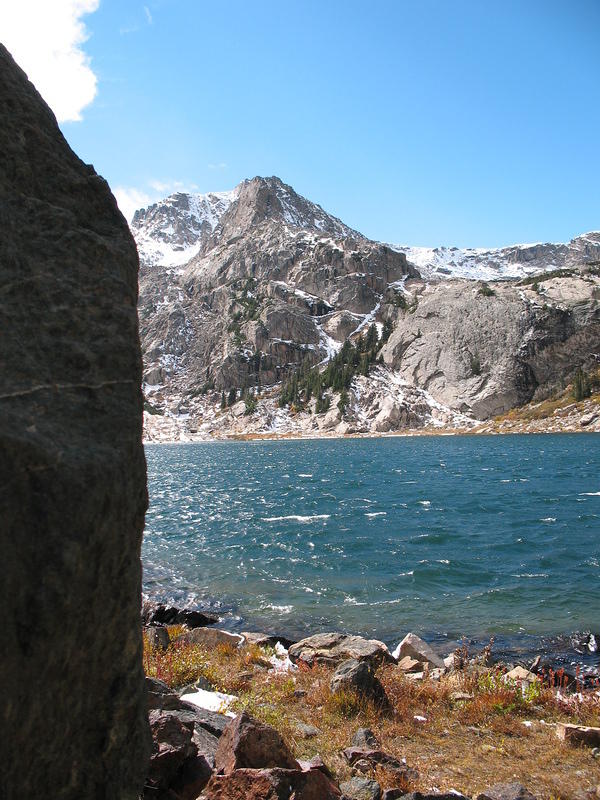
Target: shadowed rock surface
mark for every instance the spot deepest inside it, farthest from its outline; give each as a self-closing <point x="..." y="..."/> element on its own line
<point x="72" y="469"/>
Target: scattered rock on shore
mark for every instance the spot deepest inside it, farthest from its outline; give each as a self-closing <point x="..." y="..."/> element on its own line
<point x="269" y="784"/>
<point x="247" y="743"/>
<point x="578" y="734"/>
<point x="210" y="637"/>
<point x="506" y="791"/>
<point x="418" y="650"/>
<point x="159" y="614"/>
<point x="332" y="648"/>
<point x="361" y="789"/>
<point x="359" y="677"/>
<point x="158" y="637"/>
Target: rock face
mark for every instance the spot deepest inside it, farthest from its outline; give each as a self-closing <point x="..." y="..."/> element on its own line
<point x="72" y="469"/>
<point x="482" y="351"/>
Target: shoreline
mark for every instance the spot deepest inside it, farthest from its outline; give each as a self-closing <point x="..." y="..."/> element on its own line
<point x="411" y="433"/>
<point x="566" y="649"/>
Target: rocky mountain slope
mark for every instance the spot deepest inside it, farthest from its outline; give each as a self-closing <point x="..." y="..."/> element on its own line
<point x="240" y="291"/>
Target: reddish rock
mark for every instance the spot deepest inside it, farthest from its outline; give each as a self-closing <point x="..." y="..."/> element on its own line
<point x="246" y="743"/>
<point x="171" y="746"/>
<point x="578" y="734"/>
<point x="271" y="784"/>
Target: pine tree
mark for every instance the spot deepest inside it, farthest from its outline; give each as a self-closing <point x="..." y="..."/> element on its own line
<point x="223" y="402"/>
<point x="232" y="396"/>
<point x="343" y="401"/>
<point x="581" y="385"/>
<point x="387" y="331"/>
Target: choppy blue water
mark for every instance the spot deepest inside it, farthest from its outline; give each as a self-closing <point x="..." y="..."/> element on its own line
<point x="446" y="536"/>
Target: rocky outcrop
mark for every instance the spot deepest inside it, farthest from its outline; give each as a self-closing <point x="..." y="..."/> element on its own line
<point x="482" y="350"/>
<point x="72" y="470"/>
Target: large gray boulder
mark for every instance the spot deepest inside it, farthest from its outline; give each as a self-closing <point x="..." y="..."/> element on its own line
<point x="72" y="469"/>
<point x="332" y="648"/>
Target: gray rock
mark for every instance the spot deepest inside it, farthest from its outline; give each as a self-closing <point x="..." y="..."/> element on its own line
<point x="434" y="796"/>
<point x="506" y="791"/>
<point x="158" y="614"/>
<point x="365" y="738"/>
<point x="158" y="638"/>
<point x="171" y="746"/>
<point x="72" y="468"/>
<point x="361" y="789"/>
<point x="331" y="648"/>
<point x="210" y="637"/>
<point x="266" y="639"/>
<point x="359" y="677"/>
<point x="418" y="650"/>
<point x="307" y="731"/>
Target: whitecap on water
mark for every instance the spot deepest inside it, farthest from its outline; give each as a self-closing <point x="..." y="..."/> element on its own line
<point x="376" y="514"/>
<point x="297" y="518"/>
<point x="589" y="494"/>
<point x="548" y="519"/>
<point x="530" y="575"/>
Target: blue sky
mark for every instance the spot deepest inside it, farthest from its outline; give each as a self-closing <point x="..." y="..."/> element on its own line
<point x="421" y="122"/>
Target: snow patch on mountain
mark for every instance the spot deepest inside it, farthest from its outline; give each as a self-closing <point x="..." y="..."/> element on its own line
<point x="171" y="232"/>
<point x="514" y="261"/>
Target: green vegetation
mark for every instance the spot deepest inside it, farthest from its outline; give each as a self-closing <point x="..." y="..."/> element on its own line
<point x="250" y="401"/>
<point x="581" y="385"/>
<point x="309" y="382"/>
<point x="475" y="364"/>
<point x="545" y="276"/>
<point x="151" y="409"/>
<point x="486" y="290"/>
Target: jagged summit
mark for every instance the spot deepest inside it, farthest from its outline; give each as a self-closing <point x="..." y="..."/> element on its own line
<point x="174" y="230"/>
<point x="260" y="199"/>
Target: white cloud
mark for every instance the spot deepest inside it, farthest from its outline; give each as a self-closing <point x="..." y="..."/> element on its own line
<point x="45" y="38"/>
<point x="148" y="15"/>
<point x="220" y="165"/>
<point x="130" y="200"/>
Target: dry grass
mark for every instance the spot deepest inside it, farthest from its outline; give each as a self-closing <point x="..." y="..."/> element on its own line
<point x="462" y="744"/>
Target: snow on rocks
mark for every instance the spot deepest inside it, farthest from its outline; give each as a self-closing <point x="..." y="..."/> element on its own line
<point x="211" y="701"/>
